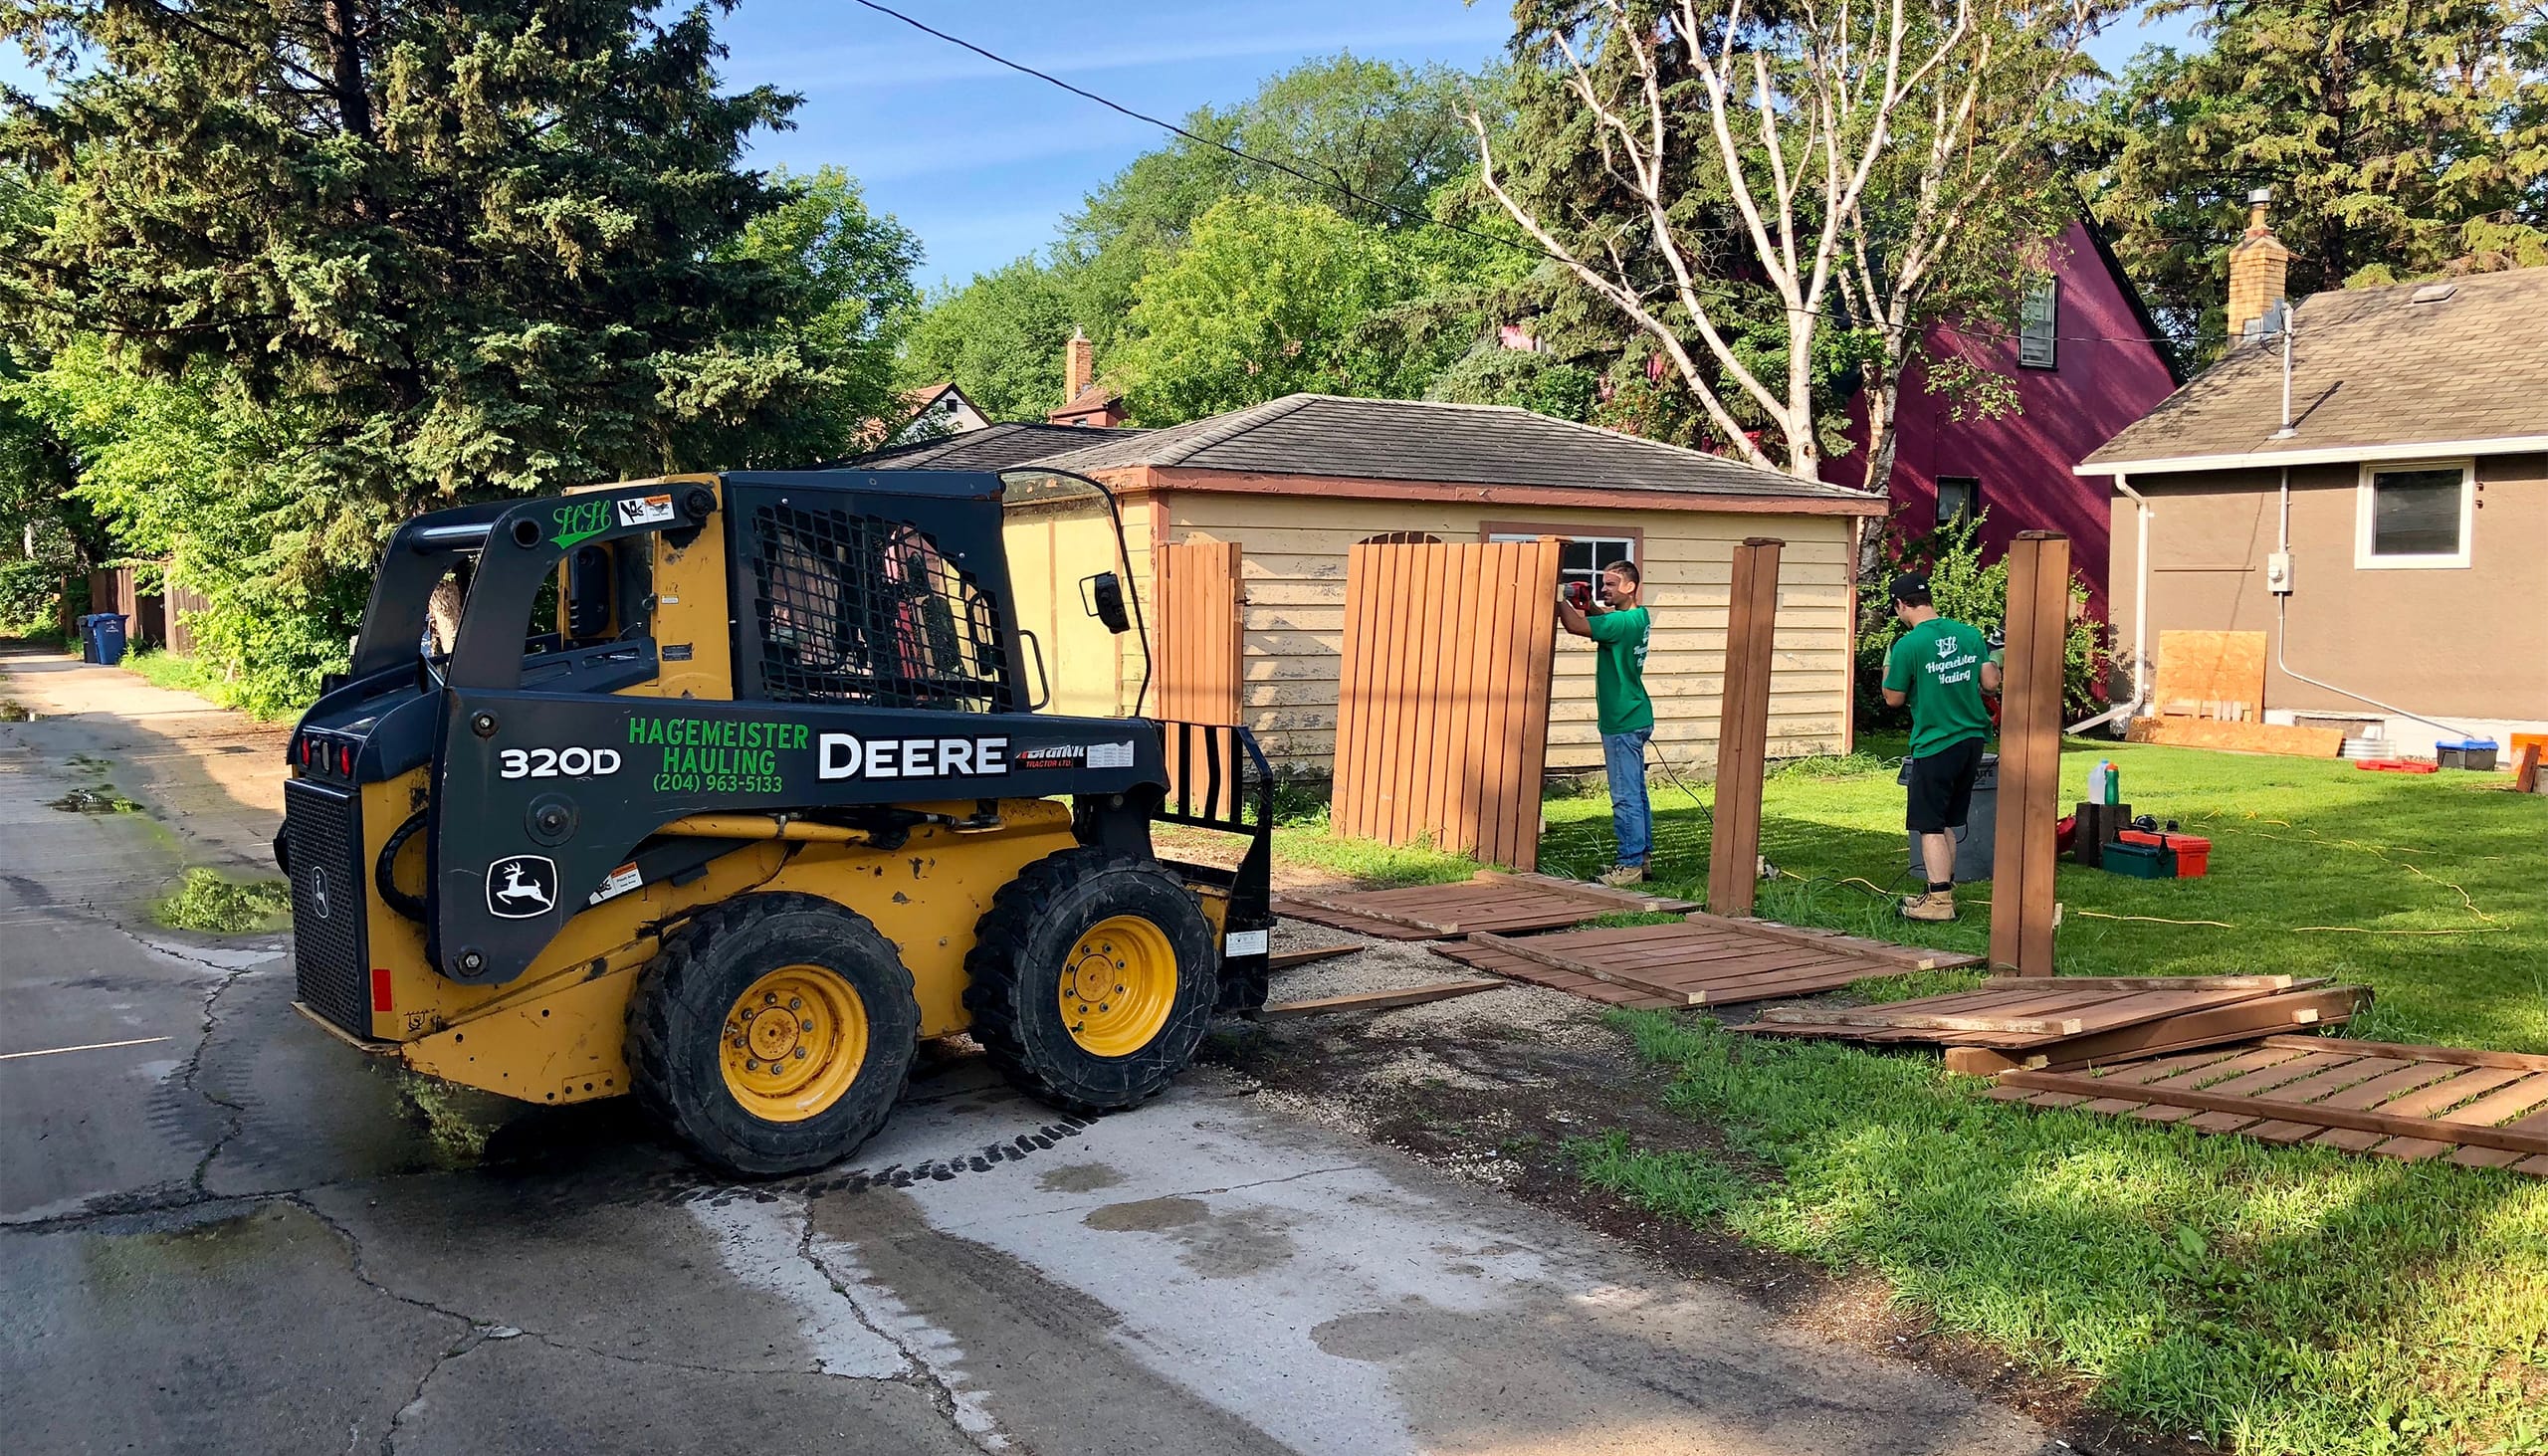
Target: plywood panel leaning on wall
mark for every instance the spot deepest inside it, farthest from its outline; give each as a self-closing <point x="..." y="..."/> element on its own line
<point x="2212" y="675"/>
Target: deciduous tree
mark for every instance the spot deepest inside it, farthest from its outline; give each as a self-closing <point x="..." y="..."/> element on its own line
<point x="1780" y="193"/>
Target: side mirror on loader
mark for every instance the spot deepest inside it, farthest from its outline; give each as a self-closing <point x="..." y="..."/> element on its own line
<point x="1102" y="595"/>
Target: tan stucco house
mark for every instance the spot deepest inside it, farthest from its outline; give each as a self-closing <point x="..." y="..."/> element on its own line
<point x="2390" y="533"/>
<point x="1296" y="481"/>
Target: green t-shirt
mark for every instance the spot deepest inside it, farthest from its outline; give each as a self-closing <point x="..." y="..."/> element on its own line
<point x="1938" y="664"/>
<point x="1618" y="670"/>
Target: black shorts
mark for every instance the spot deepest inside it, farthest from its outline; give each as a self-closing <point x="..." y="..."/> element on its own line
<point x="1941" y="786"/>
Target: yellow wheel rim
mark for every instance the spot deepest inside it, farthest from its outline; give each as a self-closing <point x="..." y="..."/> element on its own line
<point x="793" y="1043"/>
<point x="1118" y="985"/>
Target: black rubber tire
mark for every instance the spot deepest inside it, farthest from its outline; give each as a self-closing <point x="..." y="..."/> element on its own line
<point x="1013" y="978"/>
<point x="676" y="1019"/>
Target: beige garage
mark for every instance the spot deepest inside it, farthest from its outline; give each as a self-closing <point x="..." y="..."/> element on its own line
<point x="1296" y="481"/>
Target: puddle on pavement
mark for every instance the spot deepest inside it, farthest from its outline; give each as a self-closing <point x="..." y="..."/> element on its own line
<point x="192" y="1250"/>
<point x="1079" y="1177"/>
<point x="1150" y="1216"/>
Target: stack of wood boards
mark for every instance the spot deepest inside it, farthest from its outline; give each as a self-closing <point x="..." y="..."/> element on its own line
<point x="1492" y="901"/>
<point x="2072" y="1021"/>
<point x="2482" y="1109"/>
<point x="1704" y="961"/>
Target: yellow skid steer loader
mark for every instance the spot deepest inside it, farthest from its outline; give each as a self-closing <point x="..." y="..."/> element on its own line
<point x="725" y="790"/>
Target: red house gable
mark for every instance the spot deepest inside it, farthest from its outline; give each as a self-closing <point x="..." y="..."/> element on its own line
<point x="2104" y="374"/>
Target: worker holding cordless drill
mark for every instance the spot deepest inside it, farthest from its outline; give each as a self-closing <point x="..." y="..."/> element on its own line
<point x="1941" y="668"/>
<point x="1617" y="625"/>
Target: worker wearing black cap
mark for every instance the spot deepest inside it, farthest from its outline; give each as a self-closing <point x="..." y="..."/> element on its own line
<point x="1941" y="668"/>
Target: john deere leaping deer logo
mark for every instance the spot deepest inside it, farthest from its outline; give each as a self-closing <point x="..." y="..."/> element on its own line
<point x="522" y="886"/>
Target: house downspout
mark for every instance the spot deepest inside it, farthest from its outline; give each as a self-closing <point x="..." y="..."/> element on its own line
<point x="2140" y="612"/>
<point x="2283" y="630"/>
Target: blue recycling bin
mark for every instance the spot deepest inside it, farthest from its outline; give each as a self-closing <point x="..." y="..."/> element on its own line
<point x="102" y="638"/>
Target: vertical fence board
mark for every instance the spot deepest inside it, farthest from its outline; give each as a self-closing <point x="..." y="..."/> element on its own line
<point x="1743" y="732"/>
<point x="2022" y="889"/>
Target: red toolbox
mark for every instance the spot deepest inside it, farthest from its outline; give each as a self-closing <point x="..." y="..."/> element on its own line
<point x="2193" y="853"/>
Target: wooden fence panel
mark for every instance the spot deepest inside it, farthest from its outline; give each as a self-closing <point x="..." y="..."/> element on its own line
<point x="180" y="601"/>
<point x="1443" y="703"/>
<point x="1199" y="661"/>
<point x="1198" y="632"/>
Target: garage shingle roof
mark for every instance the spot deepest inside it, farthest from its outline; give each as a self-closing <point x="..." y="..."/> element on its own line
<point x="994" y="447"/>
<point x="1425" y="439"/>
<point x="2370" y="369"/>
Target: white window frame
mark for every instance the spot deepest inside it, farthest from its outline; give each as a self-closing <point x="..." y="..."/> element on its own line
<point x="2363" y="558"/>
<point x="1592" y="578"/>
<point x="2047" y="289"/>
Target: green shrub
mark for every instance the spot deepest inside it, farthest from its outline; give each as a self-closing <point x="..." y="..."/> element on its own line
<point x="1969" y="591"/>
<point x="31" y="598"/>
<point x="207" y="902"/>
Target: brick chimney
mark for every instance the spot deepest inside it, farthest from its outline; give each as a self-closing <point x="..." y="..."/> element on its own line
<point x="1079" y="365"/>
<point x="2259" y="263"/>
<point x="1084" y="402"/>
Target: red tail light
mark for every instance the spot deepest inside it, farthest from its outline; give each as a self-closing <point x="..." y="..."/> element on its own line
<point x="345" y="762"/>
<point x="381" y="988"/>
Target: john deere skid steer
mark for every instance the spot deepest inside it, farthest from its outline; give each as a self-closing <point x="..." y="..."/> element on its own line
<point x="725" y="790"/>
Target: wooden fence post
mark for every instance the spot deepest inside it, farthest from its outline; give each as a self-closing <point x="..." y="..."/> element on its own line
<point x="2038" y="621"/>
<point x="1743" y="728"/>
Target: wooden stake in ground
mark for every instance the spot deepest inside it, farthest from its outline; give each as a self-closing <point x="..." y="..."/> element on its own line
<point x="2038" y="621"/>
<point x="1743" y="730"/>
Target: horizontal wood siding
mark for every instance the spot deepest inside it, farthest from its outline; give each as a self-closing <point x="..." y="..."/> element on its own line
<point x="1293" y="554"/>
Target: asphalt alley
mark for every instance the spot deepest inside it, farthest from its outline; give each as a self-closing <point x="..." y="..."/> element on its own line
<point x="239" y="1235"/>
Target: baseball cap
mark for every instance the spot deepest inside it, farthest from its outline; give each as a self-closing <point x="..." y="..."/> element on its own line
<point x="1911" y="591"/>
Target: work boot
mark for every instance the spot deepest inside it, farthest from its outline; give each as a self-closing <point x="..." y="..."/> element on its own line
<point x="1624" y="875"/>
<point x="1928" y="904"/>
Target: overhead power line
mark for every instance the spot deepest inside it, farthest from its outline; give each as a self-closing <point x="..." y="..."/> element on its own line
<point x="1405" y="214"/>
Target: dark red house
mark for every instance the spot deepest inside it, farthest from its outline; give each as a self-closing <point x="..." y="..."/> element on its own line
<point x="2084" y="368"/>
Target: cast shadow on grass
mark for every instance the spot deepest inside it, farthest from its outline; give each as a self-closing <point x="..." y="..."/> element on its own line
<point x="2278" y="1300"/>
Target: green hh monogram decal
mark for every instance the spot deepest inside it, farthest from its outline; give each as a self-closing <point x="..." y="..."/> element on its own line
<point x="579" y="521"/>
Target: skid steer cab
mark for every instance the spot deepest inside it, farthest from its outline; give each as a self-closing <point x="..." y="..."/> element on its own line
<point x="725" y="790"/>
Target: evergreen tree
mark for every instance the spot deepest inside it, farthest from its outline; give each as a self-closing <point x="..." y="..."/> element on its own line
<point x="476" y="244"/>
<point x="2400" y="138"/>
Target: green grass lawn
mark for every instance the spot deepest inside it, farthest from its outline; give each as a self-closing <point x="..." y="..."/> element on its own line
<point x="2273" y="1300"/>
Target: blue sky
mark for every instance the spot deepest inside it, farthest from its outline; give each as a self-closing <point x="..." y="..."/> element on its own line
<point x="983" y="163"/>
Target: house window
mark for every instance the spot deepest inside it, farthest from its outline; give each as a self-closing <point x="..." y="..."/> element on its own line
<point x="2036" y="325"/>
<point x="1583" y="559"/>
<point x="2415" y="515"/>
<point x="1959" y="500"/>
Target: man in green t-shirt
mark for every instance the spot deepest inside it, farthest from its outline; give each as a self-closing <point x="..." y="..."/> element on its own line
<point x="1618" y="624"/>
<point x="1941" y="667"/>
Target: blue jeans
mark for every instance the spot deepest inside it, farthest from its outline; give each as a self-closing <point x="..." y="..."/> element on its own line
<point x="1623" y="756"/>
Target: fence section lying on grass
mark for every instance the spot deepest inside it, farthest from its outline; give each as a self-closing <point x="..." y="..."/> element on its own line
<point x="1491" y="902"/>
<point x="2483" y="1109"/>
<point x="1704" y="961"/>
<point x="2071" y="1021"/>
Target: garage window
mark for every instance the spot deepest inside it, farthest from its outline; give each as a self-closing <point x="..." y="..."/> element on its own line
<point x="2417" y="515"/>
<point x="1583" y="559"/>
